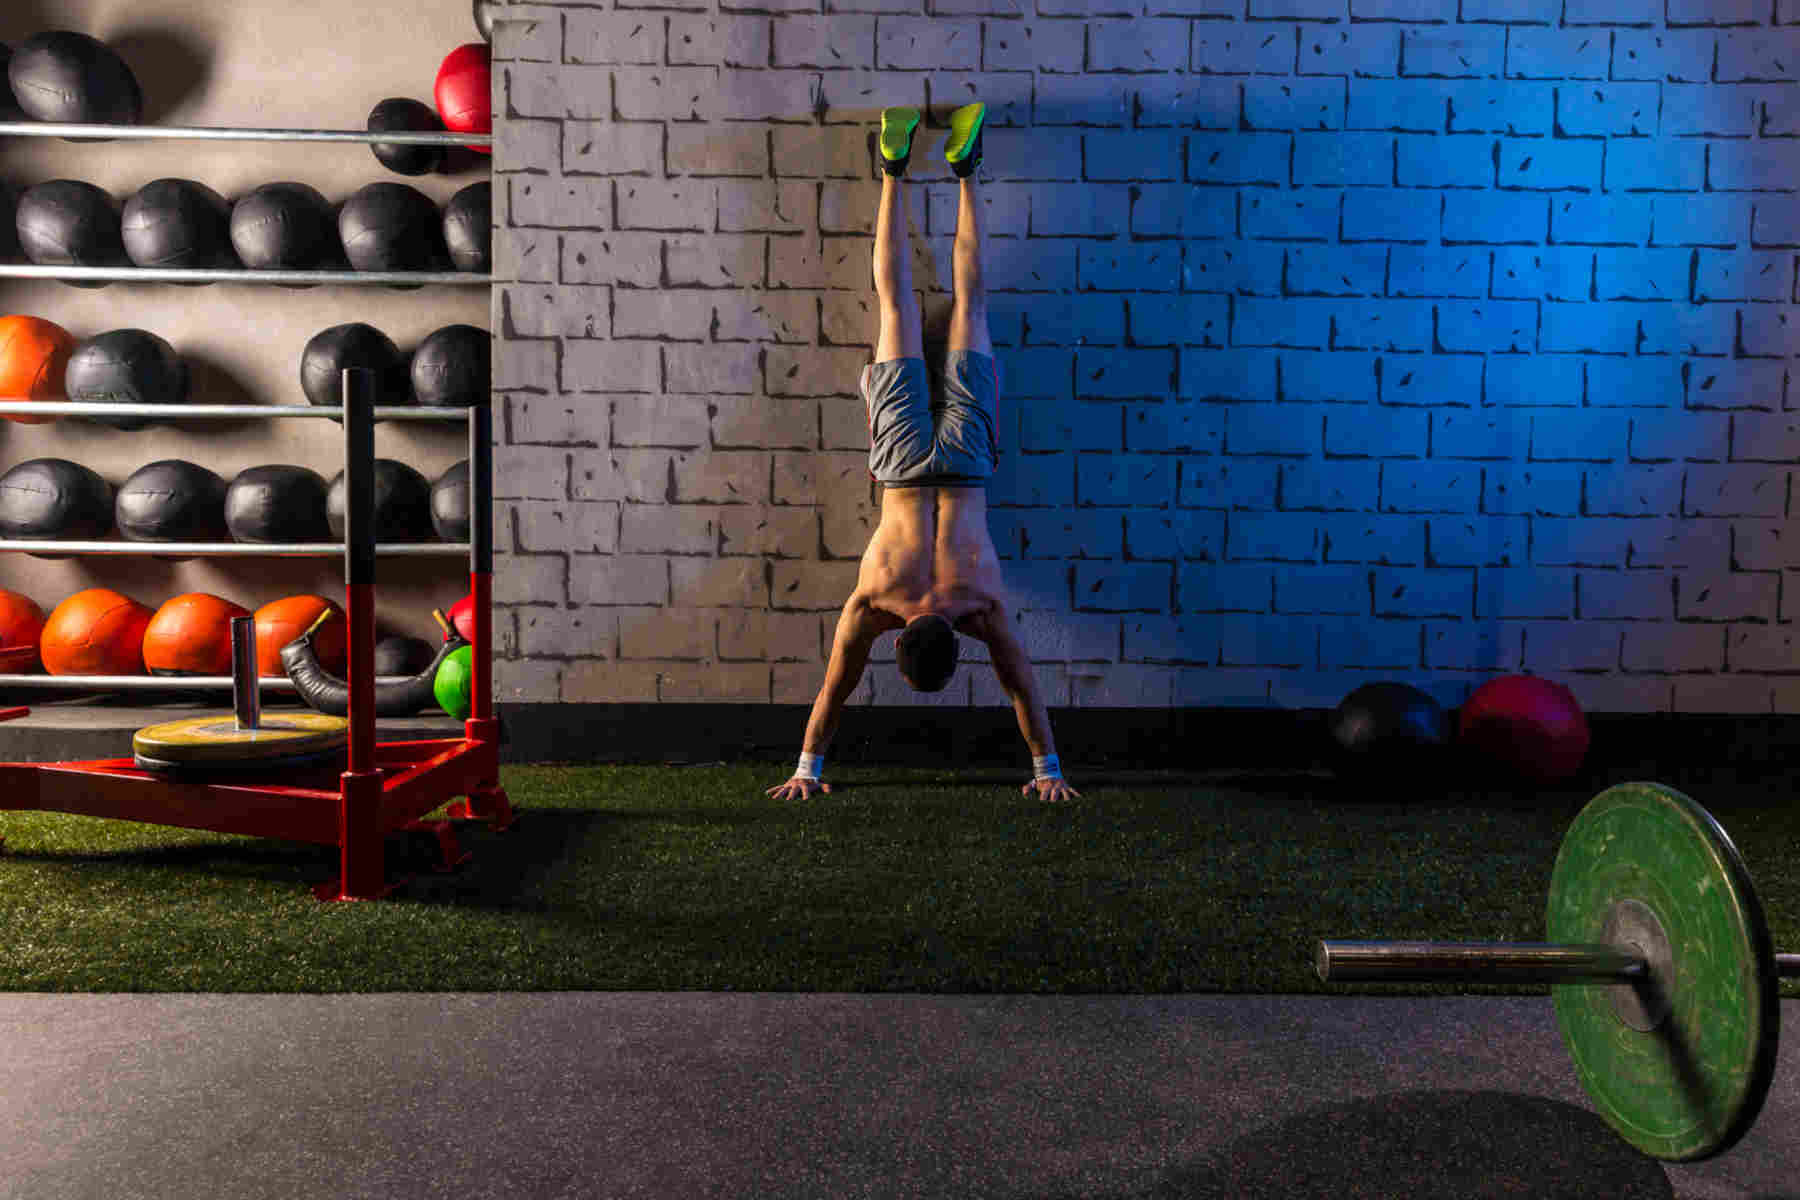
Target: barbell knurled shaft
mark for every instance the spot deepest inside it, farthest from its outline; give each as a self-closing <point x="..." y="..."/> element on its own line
<point x="1475" y="962"/>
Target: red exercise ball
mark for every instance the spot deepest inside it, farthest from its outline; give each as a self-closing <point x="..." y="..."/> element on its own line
<point x="281" y="621"/>
<point x="21" y="623"/>
<point x="462" y="91"/>
<point x="462" y="617"/>
<point x="34" y="353"/>
<point x="95" y="632"/>
<point x="1531" y="725"/>
<point x="191" y="635"/>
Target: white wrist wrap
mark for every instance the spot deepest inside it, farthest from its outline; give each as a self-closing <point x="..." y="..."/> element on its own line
<point x="810" y="766"/>
<point x="1045" y="766"/>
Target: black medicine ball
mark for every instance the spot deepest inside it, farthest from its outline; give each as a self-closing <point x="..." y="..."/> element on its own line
<point x="9" y="105"/>
<point x="401" y="114"/>
<point x="468" y="227"/>
<point x="400" y="655"/>
<point x="171" y="501"/>
<point x="451" y="367"/>
<point x="71" y="78"/>
<point x="9" y="219"/>
<point x="1388" y="726"/>
<point x="70" y="223"/>
<point x="402" y="503"/>
<point x="392" y="227"/>
<point x="277" y="503"/>
<point x="54" y="498"/>
<point x="177" y="223"/>
<point x="331" y="351"/>
<point x="126" y="366"/>
<point x="450" y="504"/>
<point x="283" y="227"/>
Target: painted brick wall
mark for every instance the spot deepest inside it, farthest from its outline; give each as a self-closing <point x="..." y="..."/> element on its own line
<point x="1340" y="339"/>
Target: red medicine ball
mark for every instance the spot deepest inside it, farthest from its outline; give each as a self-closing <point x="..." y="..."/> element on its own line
<point x="462" y="92"/>
<point x="1534" y="726"/>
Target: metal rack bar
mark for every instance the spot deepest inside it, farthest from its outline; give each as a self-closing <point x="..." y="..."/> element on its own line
<point x="224" y="134"/>
<point x="230" y="549"/>
<point x="77" y="408"/>
<point x="196" y="275"/>
<point x="151" y="683"/>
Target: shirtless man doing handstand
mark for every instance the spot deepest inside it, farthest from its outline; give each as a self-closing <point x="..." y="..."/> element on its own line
<point x="930" y="569"/>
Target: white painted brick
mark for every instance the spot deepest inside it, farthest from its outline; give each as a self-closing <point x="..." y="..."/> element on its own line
<point x="1673" y="648"/>
<point x="668" y="529"/>
<point x="610" y="682"/>
<point x="763" y="530"/>
<point x="530" y="473"/>
<point x="1726" y="693"/>
<point x="696" y="149"/>
<point x="532" y="578"/>
<point x="668" y="633"/>
<point x="569" y="633"/>
<point x="721" y="477"/>
<point x="678" y="422"/>
<point x="556" y="420"/>
<point x="713" y="683"/>
<point x="718" y="583"/>
<point x="755" y="635"/>
<point x="527" y="680"/>
<point x="715" y="260"/>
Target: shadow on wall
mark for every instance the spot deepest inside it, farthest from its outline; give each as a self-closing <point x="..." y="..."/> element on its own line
<point x="169" y="65"/>
<point x="19" y="19"/>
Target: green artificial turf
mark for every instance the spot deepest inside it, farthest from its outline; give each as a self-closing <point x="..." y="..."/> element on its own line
<point x="689" y="878"/>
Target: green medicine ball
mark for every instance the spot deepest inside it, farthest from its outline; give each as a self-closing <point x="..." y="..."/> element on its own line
<point x="452" y="683"/>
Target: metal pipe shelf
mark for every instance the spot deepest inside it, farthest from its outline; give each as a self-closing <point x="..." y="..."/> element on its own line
<point x="223" y="134"/>
<point x="152" y="683"/>
<point x="74" y="408"/>
<point x="184" y="275"/>
<point x="230" y="549"/>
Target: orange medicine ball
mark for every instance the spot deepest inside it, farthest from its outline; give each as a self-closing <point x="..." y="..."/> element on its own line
<point x="191" y="635"/>
<point x="33" y="355"/>
<point x="281" y="621"/>
<point x="21" y="621"/>
<point x="95" y="632"/>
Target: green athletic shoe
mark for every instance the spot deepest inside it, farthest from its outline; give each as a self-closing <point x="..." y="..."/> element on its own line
<point x="897" y="125"/>
<point x="963" y="150"/>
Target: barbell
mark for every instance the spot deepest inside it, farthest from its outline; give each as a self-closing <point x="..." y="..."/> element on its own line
<point x="1666" y="984"/>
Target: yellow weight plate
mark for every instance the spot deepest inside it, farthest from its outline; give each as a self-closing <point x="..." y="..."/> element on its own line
<point x="218" y="740"/>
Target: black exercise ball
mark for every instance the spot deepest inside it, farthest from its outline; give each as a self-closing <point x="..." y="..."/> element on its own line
<point x="450" y="504"/>
<point x="171" y="500"/>
<point x="402" y="114"/>
<point x="73" y="79"/>
<point x="451" y="367"/>
<point x="392" y="227"/>
<point x="331" y="351"/>
<point x="1388" y="727"/>
<point x="54" y="498"/>
<point x="402" y="503"/>
<point x="283" y="227"/>
<point x="277" y="503"/>
<point x="70" y="223"/>
<point x="177" y="223"/>
<point x="9" y="104"/>
<point x="397" y="654"/>
<point x="9" y="220"/>
<point x="484" y="17"/>
<point x="126" y="366"/>
<point x="468" y="227"/>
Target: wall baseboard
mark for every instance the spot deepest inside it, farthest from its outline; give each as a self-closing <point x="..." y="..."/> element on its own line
<point x="1656" y="744"/>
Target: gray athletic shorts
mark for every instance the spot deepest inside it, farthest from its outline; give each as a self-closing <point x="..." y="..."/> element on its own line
<point x="936" y="432"/>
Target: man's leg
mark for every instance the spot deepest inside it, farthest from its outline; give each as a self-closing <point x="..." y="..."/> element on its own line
<point x="968" y="313"/>
<point x="901" y="326"/>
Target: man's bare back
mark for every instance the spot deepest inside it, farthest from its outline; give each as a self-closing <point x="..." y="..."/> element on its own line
<point x="931" y="553"/>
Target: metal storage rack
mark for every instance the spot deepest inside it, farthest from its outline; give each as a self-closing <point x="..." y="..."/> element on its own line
<point x="388" y="786"/>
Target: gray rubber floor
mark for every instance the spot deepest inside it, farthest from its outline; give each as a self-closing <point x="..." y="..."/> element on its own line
<point x="121" y="1097"/>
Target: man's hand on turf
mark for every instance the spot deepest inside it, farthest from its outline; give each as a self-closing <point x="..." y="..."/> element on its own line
<point x="1053" y="790"/>
<point x="799" y="788"/>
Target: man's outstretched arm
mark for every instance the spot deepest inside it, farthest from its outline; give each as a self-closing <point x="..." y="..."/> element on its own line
<point x="1013" y="668"/>
<point x="857" y="629"/>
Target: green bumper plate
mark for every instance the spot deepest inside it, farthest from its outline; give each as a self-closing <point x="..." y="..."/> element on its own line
<point x="1693" y="1085"/>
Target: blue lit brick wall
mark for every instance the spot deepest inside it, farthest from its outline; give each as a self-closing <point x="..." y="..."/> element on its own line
<point x="1340" y="340"/>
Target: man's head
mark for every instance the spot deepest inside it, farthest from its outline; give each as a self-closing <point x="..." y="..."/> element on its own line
<point x="927" y="652"/>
